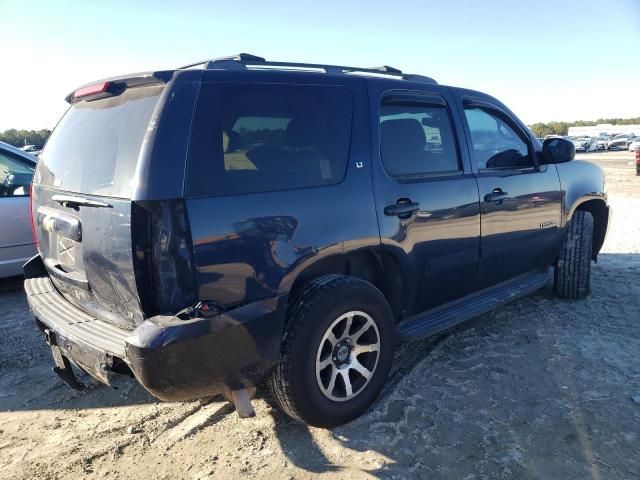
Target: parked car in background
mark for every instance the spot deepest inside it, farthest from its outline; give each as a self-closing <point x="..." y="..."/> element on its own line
<point x="290" y="223"/>
<point x="585" y="144"/>
<point x="602" y="143"/>
<point x="620" y="142"/>
<point x="32" y="149"/>
<point x="638" y="161"/>
<point x="634" y="144"/>
<point x="16" y="236"/>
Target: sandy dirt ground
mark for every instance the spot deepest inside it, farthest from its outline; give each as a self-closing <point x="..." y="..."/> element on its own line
<point x="541" y="388"/>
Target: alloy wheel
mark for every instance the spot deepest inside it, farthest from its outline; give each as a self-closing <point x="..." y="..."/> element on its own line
<point x="347" y="356"/>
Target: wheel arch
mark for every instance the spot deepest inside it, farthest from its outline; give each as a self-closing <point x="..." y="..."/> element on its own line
<point x="599" y="210"/>
<point x="372" y="265"/>
<point x="583" y="185"/>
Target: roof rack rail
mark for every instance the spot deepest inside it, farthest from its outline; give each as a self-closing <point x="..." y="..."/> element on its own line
<point x="242" y="57"/>
<point x="388" y="69"/>
<point x="246" y="61"/>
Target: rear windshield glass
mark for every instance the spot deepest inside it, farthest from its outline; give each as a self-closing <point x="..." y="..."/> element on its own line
<point x="95" y="147"/>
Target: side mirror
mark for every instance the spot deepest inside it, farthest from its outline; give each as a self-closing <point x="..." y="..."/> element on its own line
<point x="558" y="150"/>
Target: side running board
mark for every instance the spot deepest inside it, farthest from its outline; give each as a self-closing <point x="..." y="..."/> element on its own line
<point x="451" y="314"/>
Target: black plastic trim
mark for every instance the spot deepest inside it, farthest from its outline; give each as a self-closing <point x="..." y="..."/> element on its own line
<point x="461" y="310"/>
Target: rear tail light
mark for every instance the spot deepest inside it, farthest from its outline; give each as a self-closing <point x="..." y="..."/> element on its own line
<point x="33" y="227"/>
<point x="164" y="264"/>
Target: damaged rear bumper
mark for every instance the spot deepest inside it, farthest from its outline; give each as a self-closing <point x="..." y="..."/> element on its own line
<point x="173" y="359"/>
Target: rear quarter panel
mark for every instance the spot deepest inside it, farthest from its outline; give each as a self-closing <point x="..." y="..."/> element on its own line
<point x="253" y="246"/>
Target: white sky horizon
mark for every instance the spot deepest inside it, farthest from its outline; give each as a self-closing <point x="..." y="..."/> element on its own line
<point x="549" y="61"/>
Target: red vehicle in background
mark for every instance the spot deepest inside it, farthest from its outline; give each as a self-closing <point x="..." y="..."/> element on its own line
<point x="637" y="161"/>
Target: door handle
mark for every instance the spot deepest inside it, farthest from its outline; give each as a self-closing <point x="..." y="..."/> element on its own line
<point x="402" y="209"/>
<point x="497" y="196"/>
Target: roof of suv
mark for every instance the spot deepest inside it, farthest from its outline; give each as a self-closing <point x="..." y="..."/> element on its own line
<point x="249" y="63"/>
<point x="245" y="61"/>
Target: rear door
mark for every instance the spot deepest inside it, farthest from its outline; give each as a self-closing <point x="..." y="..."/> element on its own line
<point x="519" y="199"/>
<point x="82" y="200"/>
<point x="16" y="239"/>
<point x="426" y="195"/>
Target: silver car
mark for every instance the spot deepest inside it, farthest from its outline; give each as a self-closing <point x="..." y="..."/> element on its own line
<point x="584" y="144"/>
<point x="16" y="236"/>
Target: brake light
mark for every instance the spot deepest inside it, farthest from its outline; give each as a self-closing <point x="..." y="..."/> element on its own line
<point x="33" y="227"/>
<point x="91" y="90"/>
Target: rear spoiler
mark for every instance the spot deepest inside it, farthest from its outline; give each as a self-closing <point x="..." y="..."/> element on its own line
<point x="116" y="85"/>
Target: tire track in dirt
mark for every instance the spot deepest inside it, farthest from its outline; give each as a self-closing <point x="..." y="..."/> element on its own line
<point x="192" y="423"/>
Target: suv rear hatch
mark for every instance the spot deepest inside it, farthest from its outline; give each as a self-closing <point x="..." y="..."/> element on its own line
<point x="81" y="197"/>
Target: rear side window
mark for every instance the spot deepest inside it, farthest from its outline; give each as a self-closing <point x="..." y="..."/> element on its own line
<point x="256" y="138"/>
<point x="416" y="139"/>
<point x="95" y="147"/>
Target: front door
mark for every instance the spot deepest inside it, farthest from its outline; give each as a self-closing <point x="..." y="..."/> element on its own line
<point x="519" y="199"/>
<point x="426" y="195"/>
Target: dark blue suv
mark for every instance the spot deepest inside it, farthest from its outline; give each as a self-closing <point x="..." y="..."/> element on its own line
<point x="208" y="228"/>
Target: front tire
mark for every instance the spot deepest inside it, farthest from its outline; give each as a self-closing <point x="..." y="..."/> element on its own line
<point x="336" y="353"/>
<point x="573" y="269"/>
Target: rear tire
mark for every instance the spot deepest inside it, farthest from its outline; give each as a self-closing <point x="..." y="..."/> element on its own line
<point x="573" y="269"/>
<point x="330" y="320"/>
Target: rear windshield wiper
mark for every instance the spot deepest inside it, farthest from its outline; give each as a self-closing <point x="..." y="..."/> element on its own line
<point x="75" y="202"/>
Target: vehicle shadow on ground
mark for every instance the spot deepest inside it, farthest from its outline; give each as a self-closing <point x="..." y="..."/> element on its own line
<point x="27" y="381"/>
<point x="556" y="392"/>
<point x="296" y="439"/>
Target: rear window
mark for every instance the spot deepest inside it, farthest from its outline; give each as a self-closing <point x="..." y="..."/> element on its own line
<point x="95" y="147"/>
<point x="256" y="138"/>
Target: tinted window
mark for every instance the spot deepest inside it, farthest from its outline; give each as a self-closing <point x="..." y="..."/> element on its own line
<point x="15" y="176"/>
<point x="252" y="138"/>
<point x="95" y="147"/>
<point x="416" y="139"/>
<point x="496" y="145"/>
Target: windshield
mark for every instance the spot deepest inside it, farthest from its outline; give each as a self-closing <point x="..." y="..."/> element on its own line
<point x="95" y="147"/>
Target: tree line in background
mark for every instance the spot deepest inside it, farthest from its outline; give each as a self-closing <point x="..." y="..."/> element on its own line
<point x="20" y="138"/>
<point x="541" y="130"/>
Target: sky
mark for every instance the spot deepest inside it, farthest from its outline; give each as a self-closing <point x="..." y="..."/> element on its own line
<point x="547" y="59"/>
